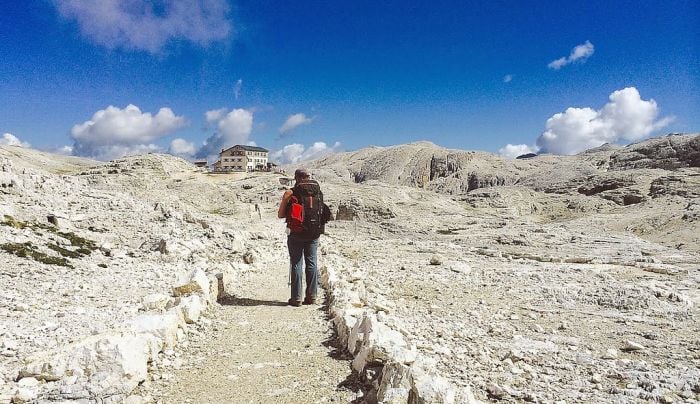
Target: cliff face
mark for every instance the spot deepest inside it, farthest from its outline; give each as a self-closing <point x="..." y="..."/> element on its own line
<point x="669" y="153"/>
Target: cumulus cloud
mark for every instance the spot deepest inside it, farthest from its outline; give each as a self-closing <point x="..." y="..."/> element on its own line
<point x="147" y="25"/>
<point x="294" y="121"/>
<point x="214" y="116"/>
<point x="579" y="54"/>
<point x="233" y="127"/>
<point x="295" y="152"/>
<point x="626" y="117"/>
<point x="507" y="78"/>
<point x="8" y="139"/>
<point x="181" y="147"/>
<point x="113" y="132"/>
<point x="115" y="151"/>
<point x="237" y="88"/>
<point x="514" y="150"/>
<point x="64" y="150"/>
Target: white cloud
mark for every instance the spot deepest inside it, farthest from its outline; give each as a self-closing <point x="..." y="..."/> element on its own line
<point x="233" y="127"/>
<point x="237" y="88"/>
<point x="236" y="125"/>
<point x="115" y="151"/>
<point x="514" y="150"/>
<point x="64" y="150"/>
<point x="507" y="78"/>
<point x="8" y="139"/>
<point x="579" y="54"/>
<point x="295" y="152"/>
<point x="114" y="132"/>
<point x="294" y="121"/>
<point x="215" y="115"/>
<point x="625" y="117"/>
<point x="181" y="147"/>
<point x="147" y="25"/>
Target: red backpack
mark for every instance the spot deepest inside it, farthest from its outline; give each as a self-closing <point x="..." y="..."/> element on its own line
<point x="306" y="212"/>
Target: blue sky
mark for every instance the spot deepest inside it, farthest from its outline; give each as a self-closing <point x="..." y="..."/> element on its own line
<point x="462" y="74"/>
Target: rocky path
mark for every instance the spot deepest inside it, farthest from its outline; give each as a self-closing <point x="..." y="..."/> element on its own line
<point x="259" y="350"/>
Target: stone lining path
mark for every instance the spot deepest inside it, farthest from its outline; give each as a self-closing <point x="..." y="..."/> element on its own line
<point x="259" y="350"/>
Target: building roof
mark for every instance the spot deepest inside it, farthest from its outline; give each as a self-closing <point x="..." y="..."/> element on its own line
<point x="247" y="148"/>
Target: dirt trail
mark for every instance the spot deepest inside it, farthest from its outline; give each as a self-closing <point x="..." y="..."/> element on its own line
<point x="259" y="350"/>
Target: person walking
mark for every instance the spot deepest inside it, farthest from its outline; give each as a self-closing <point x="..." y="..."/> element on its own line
<point x="305" y="213"/>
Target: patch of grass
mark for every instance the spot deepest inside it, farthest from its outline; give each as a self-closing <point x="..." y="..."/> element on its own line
<point x="82" y="245"/>
<point x="28" y="250"/>
<point x="64" y="251"/>
<point x="86" y="245"/>
<point x="17" y="224"/>
<point x="12" y="222"/>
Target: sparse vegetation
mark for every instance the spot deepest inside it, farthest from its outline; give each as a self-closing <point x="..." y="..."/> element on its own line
<point x="64" y="251"/>
<point x="12" y="222"/>
<point x="28" y="250"/>
<point x="85" y="246"/>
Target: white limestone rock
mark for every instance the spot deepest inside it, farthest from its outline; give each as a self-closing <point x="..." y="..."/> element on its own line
<point x="156" y="301"/>
<point x="379" y="343"/>
<point x="25" y="395"/>
<point x="162" y="326"/>
<point x="460" y="267"/>
<point x="111" y="364"/>
<point x="191" y="307"/>
<point x="430" y="388"/>
<point x="195" y="281"/>
<point x="395" y="384"/>
<point x="632" y="346"/>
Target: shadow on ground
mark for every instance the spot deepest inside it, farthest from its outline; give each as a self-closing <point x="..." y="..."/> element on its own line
<point x="244" y="301"/>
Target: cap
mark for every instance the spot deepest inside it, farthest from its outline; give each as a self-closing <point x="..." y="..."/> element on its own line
<point x="302" y="173"/>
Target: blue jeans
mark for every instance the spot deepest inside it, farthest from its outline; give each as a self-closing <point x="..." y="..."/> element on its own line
<point x="303" y="247"/>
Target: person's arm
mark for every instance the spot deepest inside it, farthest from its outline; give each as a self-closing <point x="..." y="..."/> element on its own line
<point x="282" y="211"/>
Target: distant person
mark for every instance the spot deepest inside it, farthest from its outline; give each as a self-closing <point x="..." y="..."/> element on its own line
<point x="306" y="214"/>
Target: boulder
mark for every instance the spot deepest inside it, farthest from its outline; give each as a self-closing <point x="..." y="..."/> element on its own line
<point x="156" y="301"/>
<point x="191" y="307"/>
<point x="194" y="282"/>
<point x="25" y="395"/>
<point x="395" y="384"/>
<point x="430" y="388"/>
<point x="379" y="343"/>
<point x="111" y="364"/>
<point x="162" y="326"/>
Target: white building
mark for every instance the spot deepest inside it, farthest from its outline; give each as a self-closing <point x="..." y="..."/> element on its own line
<point x="242" y="158"/>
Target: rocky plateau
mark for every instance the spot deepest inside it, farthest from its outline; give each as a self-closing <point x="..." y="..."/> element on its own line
<point x="451" y="276"/>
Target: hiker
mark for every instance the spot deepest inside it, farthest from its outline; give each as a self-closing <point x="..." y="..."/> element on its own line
<point x="306" y="216"/>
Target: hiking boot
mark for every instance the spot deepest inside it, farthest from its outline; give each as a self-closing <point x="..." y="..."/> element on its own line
<point x="294" y="302"/>
<point x="309" y="300"/>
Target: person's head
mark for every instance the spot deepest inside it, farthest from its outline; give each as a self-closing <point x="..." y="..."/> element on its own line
<point x="302" y="174"/>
